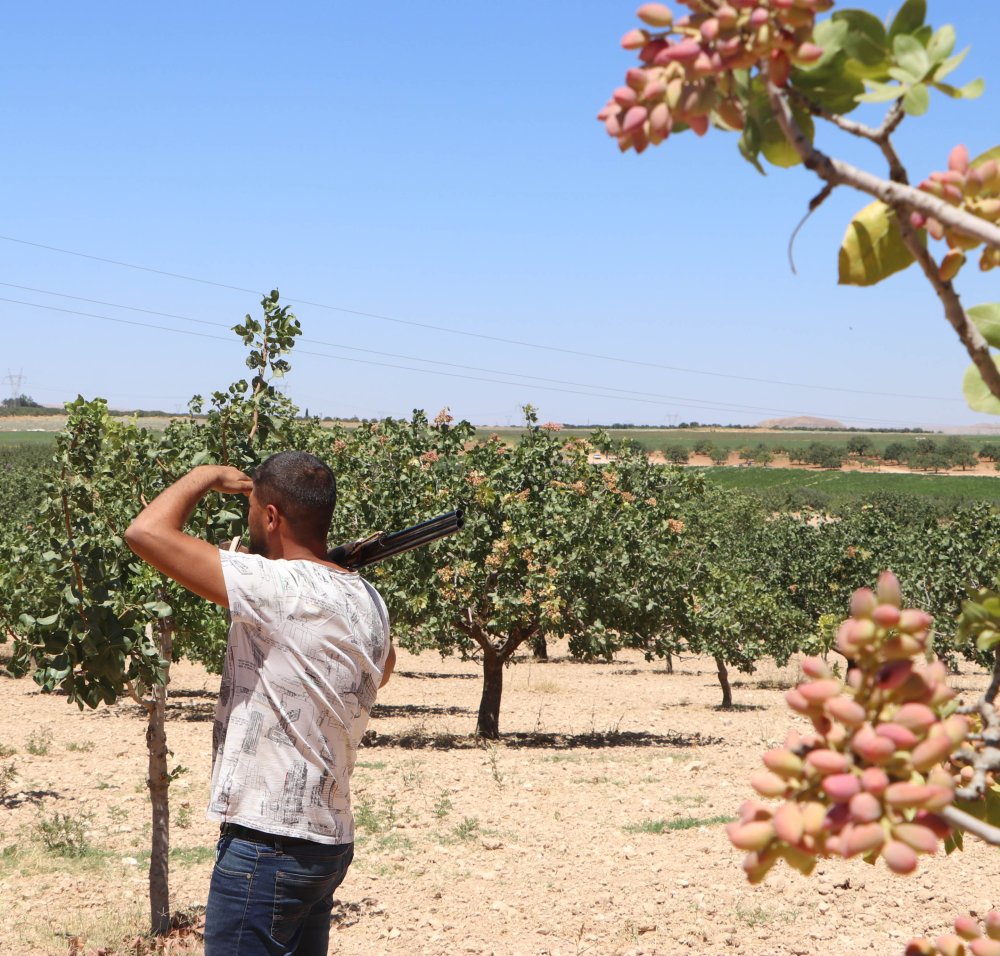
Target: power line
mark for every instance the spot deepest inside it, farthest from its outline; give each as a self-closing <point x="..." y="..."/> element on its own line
<point x="355" y="348"/>
<point x="594" y="392"/>
<point x="481" y="335"/>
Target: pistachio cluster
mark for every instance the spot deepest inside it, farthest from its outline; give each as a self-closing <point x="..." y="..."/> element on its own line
<point x="974" y="188"/>
<point x="969" y="939"/>
<point x="870" y="780"/>
<point x="686" y="78"/>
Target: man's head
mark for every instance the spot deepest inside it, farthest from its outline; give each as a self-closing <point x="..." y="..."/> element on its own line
<point x="301" y="489"/>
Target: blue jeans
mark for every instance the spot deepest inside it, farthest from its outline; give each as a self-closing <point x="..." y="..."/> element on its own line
<point x="273" y="900"/>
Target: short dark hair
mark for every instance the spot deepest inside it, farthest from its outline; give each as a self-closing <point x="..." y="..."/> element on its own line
<point x="301" y="487"/>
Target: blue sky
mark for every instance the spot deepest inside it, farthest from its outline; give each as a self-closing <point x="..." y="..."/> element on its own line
<point x="439" y="164"/>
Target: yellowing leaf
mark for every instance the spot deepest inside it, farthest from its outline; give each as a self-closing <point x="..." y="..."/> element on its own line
<point x="983" y="157"/>
<point x="986" y="318"/>
<point x="873" y="248"/>
<point x="977" y="395"/>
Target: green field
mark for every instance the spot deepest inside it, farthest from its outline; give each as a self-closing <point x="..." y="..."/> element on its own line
<point x="27" y="438"/>
<point x="792" y="486"/>
<point x="780" y="487"/>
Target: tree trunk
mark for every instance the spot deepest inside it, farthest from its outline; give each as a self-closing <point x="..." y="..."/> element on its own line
<point x="158" y="782"/>
<point x="991" y="691"/>
<point x="488" y="724"/>
<point x="540" y="649"/>
<point x="727" y="691"/>
<point x="670" y="663"/>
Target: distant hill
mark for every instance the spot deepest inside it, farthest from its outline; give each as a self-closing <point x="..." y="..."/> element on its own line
<point x="803" y="421"/>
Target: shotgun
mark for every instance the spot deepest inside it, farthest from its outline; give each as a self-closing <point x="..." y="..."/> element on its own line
<point x="382" y="545"/>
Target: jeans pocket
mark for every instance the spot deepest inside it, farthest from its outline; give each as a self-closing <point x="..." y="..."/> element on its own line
<point x="296" y="896"/>
<point x="236" y="857"/>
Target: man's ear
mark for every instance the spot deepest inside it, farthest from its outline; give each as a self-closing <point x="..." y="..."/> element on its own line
<point x="272" y="517"/>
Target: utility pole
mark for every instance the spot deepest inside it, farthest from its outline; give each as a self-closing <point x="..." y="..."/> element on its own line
<point x="16" y="383"/>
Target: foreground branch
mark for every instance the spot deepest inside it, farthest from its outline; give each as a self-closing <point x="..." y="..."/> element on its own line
<point x="898" y="195"/>
<point x="902" y="198"/>
<point x="880" y="135"/>
<point x="966" y="821"/>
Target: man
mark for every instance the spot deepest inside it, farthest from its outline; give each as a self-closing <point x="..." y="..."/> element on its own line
<point x="308" y="649"/>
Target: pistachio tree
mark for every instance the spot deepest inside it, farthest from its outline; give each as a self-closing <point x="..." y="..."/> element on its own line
<point x="89" y="618"/>
<point x="553" y="546"/>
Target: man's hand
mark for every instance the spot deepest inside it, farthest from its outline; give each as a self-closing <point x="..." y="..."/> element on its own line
<point x="157" y="534"/>
<point x="231" y="481"/>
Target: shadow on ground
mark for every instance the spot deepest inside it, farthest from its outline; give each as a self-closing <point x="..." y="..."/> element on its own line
<point x="430" y="675"/>
<point x="533" y="740"/>
<point x="418" y="710"/>
<point x="27" y="796"/>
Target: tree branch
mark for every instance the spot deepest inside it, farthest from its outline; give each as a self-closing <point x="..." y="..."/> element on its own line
<point x="991" y="691"/>
<point x="146" y="705"/>
<point x="966" y="821"/>
<point x="970" y="336"/>
<point x="898" y="195"/>
<point x="983" y="756"/>
<point x="901" y="197"/>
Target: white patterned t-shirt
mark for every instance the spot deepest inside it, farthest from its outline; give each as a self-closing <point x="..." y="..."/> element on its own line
<point x="307" y="649"/>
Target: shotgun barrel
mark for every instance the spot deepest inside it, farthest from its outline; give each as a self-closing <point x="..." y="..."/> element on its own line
<point x="382" y="545"/>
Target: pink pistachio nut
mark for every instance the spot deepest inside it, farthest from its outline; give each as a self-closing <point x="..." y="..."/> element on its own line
<point x="903" y="738"/>
<point x="655" y="15"/>
<point x="874" y="780"/>
<point x="917" y="837"/>
<point x="768" y="784"/>
<point x="916" y="717"/>
<point x="865" y="807"/>
<point x="784" y="763"/>
<point x="863" y="602"/>
<point x="840" y="787"/>
<point x="899" y="857"/>
<point x="887" y="590"/>
<point x="886" y="615"/>
<point x="958" y="159"/>
<point x="847" y="710"/>
<point x="815" y="667"/>
<point x="750" y="836"/>
<point x="967" y="926"/>
<point x="826" y="762"/>
<point x="635" y="39"/>
<point x="788" y="823"/>
<point x="864" y="838"/>
<point x="818" y="691"/>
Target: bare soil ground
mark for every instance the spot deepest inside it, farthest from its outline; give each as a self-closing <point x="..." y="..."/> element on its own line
<point x="595" y="826"/>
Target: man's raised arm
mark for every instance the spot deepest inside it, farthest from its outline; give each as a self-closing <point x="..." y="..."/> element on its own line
<point x="157" y="534"/>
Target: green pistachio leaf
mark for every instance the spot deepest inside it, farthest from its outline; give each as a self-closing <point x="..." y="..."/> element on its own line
<point x="749" y="145"/>
<point x="917" y="100"/>
<point x="950" y="65"/>
<point x="988" y="639"/>
<point x="866" y="41"/>
<point x="830" y="36"/>
<point x="911" y="56"/>
<point x="909" y="19"/>
<point x="977" y="395"/>
<point x="973" y="90"/>
<point x="775" y="147"/>
<point x="831" y="86"/>
<point x="986" y="318"/>
<point x="880" y="92"/>
<point x="942" y="43"/>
